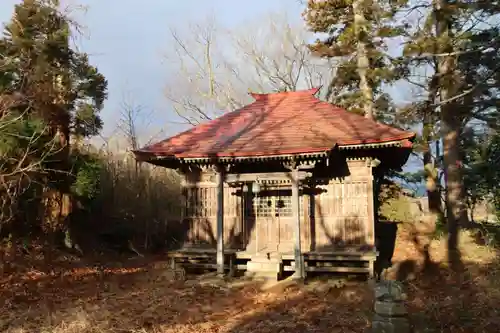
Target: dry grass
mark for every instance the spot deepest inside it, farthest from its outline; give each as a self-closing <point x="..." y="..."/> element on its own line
<point x="139" y="200"/>
<point x="132" y="299"/>
<point x="441" y="301"/>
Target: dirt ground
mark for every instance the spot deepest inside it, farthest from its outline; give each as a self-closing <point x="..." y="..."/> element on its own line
<point x="132" y="298"/>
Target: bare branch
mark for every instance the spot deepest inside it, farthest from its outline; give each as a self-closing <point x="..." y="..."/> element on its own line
<point x="217" y="68"/>
<point x="22" y="154"/>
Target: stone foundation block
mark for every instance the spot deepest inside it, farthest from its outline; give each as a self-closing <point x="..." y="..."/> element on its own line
<point x="392" y="290"/>
<point x="382" y="324"/>
<point x="390" y="309"/>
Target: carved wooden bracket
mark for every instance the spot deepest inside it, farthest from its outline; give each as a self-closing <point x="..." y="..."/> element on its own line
<point x="214" y="168"/>
<point x="291" y="165"/>
<point x="372" y="162"/>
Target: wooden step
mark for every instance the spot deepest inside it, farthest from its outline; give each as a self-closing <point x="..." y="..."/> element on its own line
<point x="335" y="256"/>
<point x="291" y="268"/>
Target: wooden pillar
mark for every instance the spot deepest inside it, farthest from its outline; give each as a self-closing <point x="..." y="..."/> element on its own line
<point x="299" y="262"/>
<point x="372" y="200"/>
<point x="220" y="221"/>
<point x="372" y="214"/>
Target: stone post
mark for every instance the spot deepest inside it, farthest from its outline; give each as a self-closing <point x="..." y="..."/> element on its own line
<point x="390" y="312"/>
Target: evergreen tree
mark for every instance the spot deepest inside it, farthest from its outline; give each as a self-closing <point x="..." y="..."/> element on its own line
<point x="458" y="44"/>
<point x="53" y="85"/>
<point x="479" y="110"/>
<point x="62" y="86"/>
<point x="358" y="33"/>
<point x="481" y="151"/>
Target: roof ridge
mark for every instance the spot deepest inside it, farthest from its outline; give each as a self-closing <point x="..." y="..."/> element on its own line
<point x="307" y="92"/>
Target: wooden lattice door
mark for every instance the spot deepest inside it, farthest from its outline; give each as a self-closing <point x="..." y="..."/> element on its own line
<point x="263" y="210"/>
<point x="273" y="221"/>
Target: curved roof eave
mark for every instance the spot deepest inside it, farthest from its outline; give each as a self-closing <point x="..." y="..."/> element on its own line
<point x="179" y="159"/>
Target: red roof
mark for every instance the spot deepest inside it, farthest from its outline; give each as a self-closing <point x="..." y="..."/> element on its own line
<point x="277" y="124"/>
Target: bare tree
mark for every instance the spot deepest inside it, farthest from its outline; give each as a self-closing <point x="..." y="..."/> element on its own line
<point x="134" y="124"/>
<point x="135" y="120"/>
<point x="128" y="123"/>
<point x="23" y="154"/>
<point x="216" y="68"/>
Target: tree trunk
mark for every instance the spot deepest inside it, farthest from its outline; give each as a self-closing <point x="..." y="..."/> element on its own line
<point x="59" y="201"/>
<point x="64" y="179"/>
<point x="62" y="124"/>
<point x="450" y="126"/>
<point x="456" y="211"/>
<point x="431" y="172"/>
<point x="363" y="60"/>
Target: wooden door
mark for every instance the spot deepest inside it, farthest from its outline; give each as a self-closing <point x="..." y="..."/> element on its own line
<point x="284" y="221"/>
<point x="274" y="221"/>
<point x="264" y="222"/>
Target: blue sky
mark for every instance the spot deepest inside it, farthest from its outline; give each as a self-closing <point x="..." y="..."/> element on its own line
<point x="126" y="40"/>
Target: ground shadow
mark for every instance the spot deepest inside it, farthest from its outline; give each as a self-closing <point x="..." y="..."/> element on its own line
<point x="439" y="300"/>
<point x="136" y="298"/>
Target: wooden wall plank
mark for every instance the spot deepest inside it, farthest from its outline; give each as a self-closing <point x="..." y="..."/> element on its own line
<point x="344" y="211"/>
